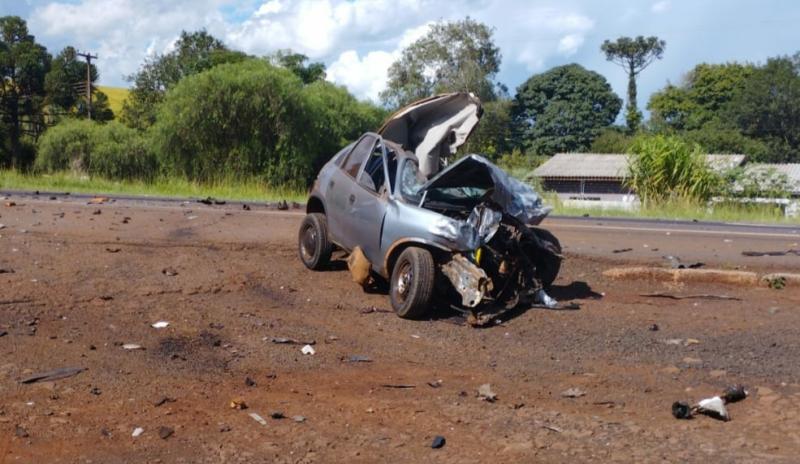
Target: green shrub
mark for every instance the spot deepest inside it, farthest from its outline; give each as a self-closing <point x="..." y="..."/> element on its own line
<point x="67" y="145"/>
<point x="252" y="119"/>
<point x="86" y="147"/>
<point x="666" y="168"/>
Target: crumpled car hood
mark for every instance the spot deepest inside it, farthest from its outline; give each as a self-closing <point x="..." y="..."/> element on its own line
<point x="516" y="198"/>
<point x="434" y="127"/>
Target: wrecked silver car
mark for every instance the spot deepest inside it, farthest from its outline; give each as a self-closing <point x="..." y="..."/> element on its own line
<point x="466" y="230"/>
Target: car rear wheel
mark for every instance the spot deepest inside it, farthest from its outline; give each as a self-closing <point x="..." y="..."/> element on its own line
<point x="411" y="287"/>
<point x="313" y="245"/>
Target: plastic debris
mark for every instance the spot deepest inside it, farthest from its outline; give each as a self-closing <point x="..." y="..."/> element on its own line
<point x="298" y="418"/>
<point x="486" y="394"/>
<point x="237" y="403"/>
<point x="55" y="374"/>
<point x="359" y="359"/>
<point x="308" y="349"/>
<point x="160" y="325"/>
<point x="397" y="385"/>
<point x="137" y="431"/>
<point x="713" y="407"/>
<point x="132" y="346"/>
<point x="170" y="272"/>
<point x="438" y="442"/>
<point x="573" y="393"/>
<point x="291" y="341"/>
<point x="258" y="418"/>
<point x="277" y="415"/>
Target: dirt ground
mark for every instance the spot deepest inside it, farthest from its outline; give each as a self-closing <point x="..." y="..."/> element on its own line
<point x="81" y="280"/>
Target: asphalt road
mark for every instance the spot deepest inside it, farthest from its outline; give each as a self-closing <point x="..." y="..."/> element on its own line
<point x="649" y="241"/>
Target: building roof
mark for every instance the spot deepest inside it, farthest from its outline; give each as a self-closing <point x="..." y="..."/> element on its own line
<point x="791" y="170"/>
<point x="610" y="166"/>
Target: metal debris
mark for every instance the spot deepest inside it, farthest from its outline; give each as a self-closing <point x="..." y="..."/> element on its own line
<point x="397" y="385"/>
<point x="356" y="358"/>
<point x="292" y="341"/>
<point x="701" y="296"/>
<point x="55" y="374"/>
<point x="622" y="250"/>
<point x="160" y="325"/>
<point x="713" y="407"/>
<point x="168" y="271"/>
<point x="573" y="393"/>
<point x="132" y="346"/>
<point x="308" y="349"/>
<point x="258" y="418"/>
<point x="438" y="442"/>
<point x="771" y="253"/>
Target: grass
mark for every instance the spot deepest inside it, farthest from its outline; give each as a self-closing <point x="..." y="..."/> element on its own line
<point x="116" y="95"/>
<point x="247" y="190"/>
<point x="726" y="212"/>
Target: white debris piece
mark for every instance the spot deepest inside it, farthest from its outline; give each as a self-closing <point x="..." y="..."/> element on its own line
<point x="258" y="418"/>
<point x="308" y="349"/>
<point x="160" y="325"/>
<point x="132" y="346"/>
<point x="714" y="406"/>
<point x="137" y="431"/>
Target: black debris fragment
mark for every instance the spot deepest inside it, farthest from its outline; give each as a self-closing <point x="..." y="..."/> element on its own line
<point x="771" y="253"/>
<point x="438" y="442"/>
<point x="246" y="207"/>
<point x="249" y="382"/>
<point x="356" y="358"/>
<point x="55" y="374"/>
<point x="168" y="271"/>
<point x="163" y="400"/>
<point x="622" y="250"/>
<point x="165" y="432"/>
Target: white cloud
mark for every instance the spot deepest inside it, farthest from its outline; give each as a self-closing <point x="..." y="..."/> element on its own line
<point x="569" y="44"/>
<point x="363" y="76"/>
<point x="660" y="7"/>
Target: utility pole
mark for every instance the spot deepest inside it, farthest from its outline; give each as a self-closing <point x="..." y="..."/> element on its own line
<point x="89" y="57"/>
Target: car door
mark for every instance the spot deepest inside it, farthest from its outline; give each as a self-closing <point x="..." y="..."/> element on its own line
<point x="367" y="204"/>
<point x="341" y="185"/>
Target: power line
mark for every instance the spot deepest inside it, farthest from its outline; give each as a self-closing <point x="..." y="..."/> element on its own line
<point x="89" y="57"/>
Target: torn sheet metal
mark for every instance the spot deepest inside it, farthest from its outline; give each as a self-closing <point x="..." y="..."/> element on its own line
<point x="469" y="280"/>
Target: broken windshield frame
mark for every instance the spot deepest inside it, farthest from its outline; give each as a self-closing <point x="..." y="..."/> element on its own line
<point x="411" y="189"/>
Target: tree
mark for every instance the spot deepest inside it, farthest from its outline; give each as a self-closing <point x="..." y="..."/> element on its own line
<point x="633" y="55"/>
<point x="768" y="107"/>
<point x="296" y="63"/>
<point x="702" y="97"/>
<point x="493" y="137"/>
<point x="563" y="109"/>
<point x="23" y="66"/>
<point x="194" y="52"/>
<point x="452" y="56"/>
<point x="65" y="85"/>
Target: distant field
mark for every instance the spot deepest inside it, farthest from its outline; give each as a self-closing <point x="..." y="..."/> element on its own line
<point x="116" y="95"/>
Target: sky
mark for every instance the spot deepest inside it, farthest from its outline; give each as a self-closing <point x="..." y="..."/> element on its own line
<point x="358" y="39"/>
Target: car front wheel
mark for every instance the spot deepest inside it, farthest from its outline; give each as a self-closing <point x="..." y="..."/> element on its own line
<point x="313" y="245"/>
<point x="411" y="289"/>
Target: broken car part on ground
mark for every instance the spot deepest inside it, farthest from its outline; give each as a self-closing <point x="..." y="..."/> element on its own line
<point x="467" y="230"/>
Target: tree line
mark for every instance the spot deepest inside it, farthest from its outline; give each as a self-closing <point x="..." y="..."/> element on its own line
<point x="205" y="111"/>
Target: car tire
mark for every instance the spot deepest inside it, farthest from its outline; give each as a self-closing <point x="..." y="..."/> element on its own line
<point x="313" y="245"/>
<point x="412" y="281"/>
<point x="548" y="265"/>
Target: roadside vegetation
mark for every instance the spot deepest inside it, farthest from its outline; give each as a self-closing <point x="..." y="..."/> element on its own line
<point x="211" y="120"/>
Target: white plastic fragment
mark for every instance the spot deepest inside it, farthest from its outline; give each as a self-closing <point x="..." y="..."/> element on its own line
<point x="258" y="418"/>
<point x="137" y="431"/>
<point x="715" y="406"/>
<point x="308" y="349"/>
<point x="160" y="325"/>
<point x="132" y="346"/>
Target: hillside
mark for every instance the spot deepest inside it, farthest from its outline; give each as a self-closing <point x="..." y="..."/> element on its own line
<point x="116" y="95"/>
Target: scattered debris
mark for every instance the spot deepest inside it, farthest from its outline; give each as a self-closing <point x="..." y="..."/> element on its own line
<point x="397" y="385"/>
<point x="21" y="432"/>
<point x="359" y="359"/>
<point x="573" y="393"/>
<point x="55" y="374"/>
<point x="435" y="383"/>
<point x="168" y="271"/>
<point x="777" y="283"/>
<point x="163" y="400"/>
<point x="258" y="418"/>
<point x="552" y="428"/>
<point x="113" y="250"/>
<point x="438" y="442"/>
<point x="675" y="263"/>
<point x="308" y="349"/>
<point x="238" y="403"/>
<point x="653" y="328"/>
<point x="10" y="204"/>
<point x="97" y="212"/>
<point x="701" y="296"/>
<point x="292" y="341"/>
<point x="211" y="201"/>
<point x="6" y="270"/>
<point x="712" y="407"/>
<point x="622" y="250"/>
<point x="3" y="333"/>
<point x="96" y="391"/>
<point x="771" y="253"/>
<point x="225" y="428"/>
<point x="374" y="309"/>
<point x="165" y="432"/>
<point x="137" y="431"/>
<point x="132" y="346"/>
<point x="298" y="418"/>
<point x="2" y="226"/>
<point x="246" y="207"/>
<point x="282" y="205"/>
<point x="249" y="382"/>
<point x="486" y="394"/>
<point x="126" y="220"/>
<point x="277" y="415"/>
<point x="160" y="325"/>
<point x="97" y="201"/>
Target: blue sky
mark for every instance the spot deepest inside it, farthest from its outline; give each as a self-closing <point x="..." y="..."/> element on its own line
<point x="358" y="39"/>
